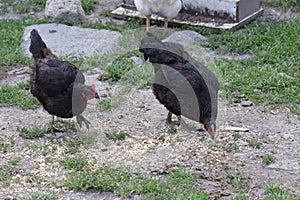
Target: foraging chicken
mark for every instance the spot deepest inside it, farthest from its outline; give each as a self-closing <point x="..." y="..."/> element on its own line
<point x="182" y="85"/>
<point x="58" y="85"/>
<point x="165" y="8"/>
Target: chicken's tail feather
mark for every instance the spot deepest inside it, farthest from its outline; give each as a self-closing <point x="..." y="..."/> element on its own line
<point x="38" y="48"/>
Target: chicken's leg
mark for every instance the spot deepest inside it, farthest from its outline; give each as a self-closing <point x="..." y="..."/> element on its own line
<point x="81" y="119"/>
<point x="148" y="22"/>
<point x="166" y="23"/>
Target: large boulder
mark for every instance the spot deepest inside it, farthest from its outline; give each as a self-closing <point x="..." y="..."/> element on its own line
<point x="66" y="10"/>
<point x="66" y="40"/>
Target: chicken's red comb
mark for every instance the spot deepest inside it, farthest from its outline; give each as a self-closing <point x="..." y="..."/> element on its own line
<point x="93" y="87"/>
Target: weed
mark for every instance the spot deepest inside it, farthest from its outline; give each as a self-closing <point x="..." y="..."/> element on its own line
<point x="116" y="136"/>
<point x="237" y="181"/>
<point x="254" y="144"/>
<point x="14" y="161"/>
<point x="4" y="146"/>
<point x="105" y="104"/>
<point x="118" y="68"/>
<point x="18" y="95"/>
<point x="268" y="159"/>
<point x="78" y="162"/>
<point x="5" y="174"/>
<point x="24" y="6"/>
<point x="232" y="147"/>
<point x="105" y="13"/>
<point x="35" y="132"/>
<point x="42" y="196"/>
<point x="275" y="191"/>
<point x="89" y="5"/>
<point x="33" y="178"/>
<point x="64" y="125"/>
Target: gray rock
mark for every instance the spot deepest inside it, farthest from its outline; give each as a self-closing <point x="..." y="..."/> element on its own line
<point x="234" y="128"/>
<point x="185" y="37"/>
<point x="67" y="10"/>
<point x="66" y="40"/>
<point x="288" y="165"/>
<point x="247" y="103"/>
<point x="164" y="151"/>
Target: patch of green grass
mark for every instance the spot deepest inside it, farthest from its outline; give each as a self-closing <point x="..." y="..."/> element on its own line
<point x="116" y="136"/>
<point x="105" y="104"/>
<point x="294" y="5"/>
<point x="89" y="5"/>
<point x="77" y="162"/>
<point x="118" y="68"/>
<point x="11" y="32"/>
<point x="254" y="144"/>
<point x="14" y="160"/>
<point x="105" y="13"/>
<point x="42" y="196"/>
<point x="275" y="191"/>
<point x="237" y="181"/>
<point x="35" y="132"/>
<point x="176" y="185"/>
<point x="24" y="6"/>
<point x="33" y="178"/>
<point x="5" y="175"/>
<point x="4" y="146"/>
<point x="18" y="95"/>
<point x="232" y="147"/>
<point x="64" y="125"/>
<point x="271" y="75"/>
<point x="268" y="159"/>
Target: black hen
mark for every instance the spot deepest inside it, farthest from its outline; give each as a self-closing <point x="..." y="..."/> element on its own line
<point x="58" y="85"/>
<point x="182" y="85"/>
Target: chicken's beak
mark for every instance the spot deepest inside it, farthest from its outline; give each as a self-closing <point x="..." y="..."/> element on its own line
<point x="96" y="96"/>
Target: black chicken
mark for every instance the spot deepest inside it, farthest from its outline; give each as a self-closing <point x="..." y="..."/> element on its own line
<point x="58" y="85"/>
<point x="182" y="85"/>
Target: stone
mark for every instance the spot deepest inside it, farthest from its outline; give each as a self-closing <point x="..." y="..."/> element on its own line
<point x="233" y="128"/>
<point x="66" y="40"/>
<point x="66" y="10"/>
<point x="184" y="37"/>
<point x="247" y="103"/>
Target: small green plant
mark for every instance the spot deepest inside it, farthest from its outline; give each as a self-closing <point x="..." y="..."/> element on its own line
<point x="105" y="104"/>
<point x="277" y="192"/>
<point x="268" y="159"/>
<point x="42" y="196"/>
<point x="116" y="135"/>
<point x="14" y="161"/>
<point x="254" y="144"/>
<point x="18" y="95"/>
<point x="35" y="132"/>
<point x="89" y="5"/>
<point x="4" y="147"/>
<point x="236" y="180"/>
<point x="81" y="140"/>
<point x="5" y="174"/>
<point x="33" y="178"/>
<point x="232" y="147"/>
<point x="119" y="68"/>
<point x="23" y="6"/>
<point x="78" y="162"/>
<point x="64" y="125"/>
<point x="105" y="13"/>
<point x="172" y="128"/>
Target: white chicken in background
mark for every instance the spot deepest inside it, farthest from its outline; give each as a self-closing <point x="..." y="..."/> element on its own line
<point x="165" y="8"/>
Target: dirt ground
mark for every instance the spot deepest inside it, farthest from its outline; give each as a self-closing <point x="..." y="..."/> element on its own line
<point x="152" y="150"/>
